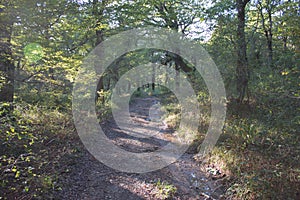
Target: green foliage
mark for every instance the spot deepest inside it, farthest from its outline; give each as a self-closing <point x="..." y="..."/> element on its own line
<point x="103" y="105"/>
<point x="165" y="189"/>
<point x="172" y="110"/>
<point x="30" y="150"/>
<point x="33" y="52"/>
<point x="259" y="150"/>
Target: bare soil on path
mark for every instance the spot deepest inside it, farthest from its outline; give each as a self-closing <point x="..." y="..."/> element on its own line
<point x="87" y="178"/>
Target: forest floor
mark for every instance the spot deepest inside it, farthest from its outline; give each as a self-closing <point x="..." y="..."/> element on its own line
<point x="87" y="178"/>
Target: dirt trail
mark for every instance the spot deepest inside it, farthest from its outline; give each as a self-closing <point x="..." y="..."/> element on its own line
<point x="90" y="179"/>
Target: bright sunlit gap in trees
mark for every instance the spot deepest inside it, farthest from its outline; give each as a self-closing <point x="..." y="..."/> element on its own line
<point x="200" y="29"/>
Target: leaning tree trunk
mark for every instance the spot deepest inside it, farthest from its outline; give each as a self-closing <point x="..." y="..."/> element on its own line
<point x="7" y="68"/>
<point x="242" y="71"/>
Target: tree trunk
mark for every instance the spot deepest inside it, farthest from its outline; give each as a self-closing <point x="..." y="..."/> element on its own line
<point x="98" y="13"/>
<point x="242" y="71"/>
<point x="270" y="39"/>
<point x="7" y="68"/>
<point x="153" y="77"/>
<point x="98" y="9"/>
<point x="268" y="31"/>
<point x="128" y="86"/>
<point x="177" y="77"/>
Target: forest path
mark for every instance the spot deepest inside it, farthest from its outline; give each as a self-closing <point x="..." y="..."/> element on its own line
<point x="90" y="179"/>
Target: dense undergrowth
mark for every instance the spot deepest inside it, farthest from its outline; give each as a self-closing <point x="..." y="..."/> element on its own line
<point x="34" y="141"/>
<point x="258" y="152"/>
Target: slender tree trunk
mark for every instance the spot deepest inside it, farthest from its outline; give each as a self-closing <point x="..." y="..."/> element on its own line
<point x="177" y="77"/>
<point x="98" y="9"/>
<point x="128" y="86"/>
<point x="242" y="71"/>
<point x="268" y="31"/>
<point x="284" y="39"/>
<point x="108" y="83"/>
<point x="7" y="67"/>
<point x="153" y="77"/>
<point x="167" y="75"/>
<point x="270" y="39"/>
